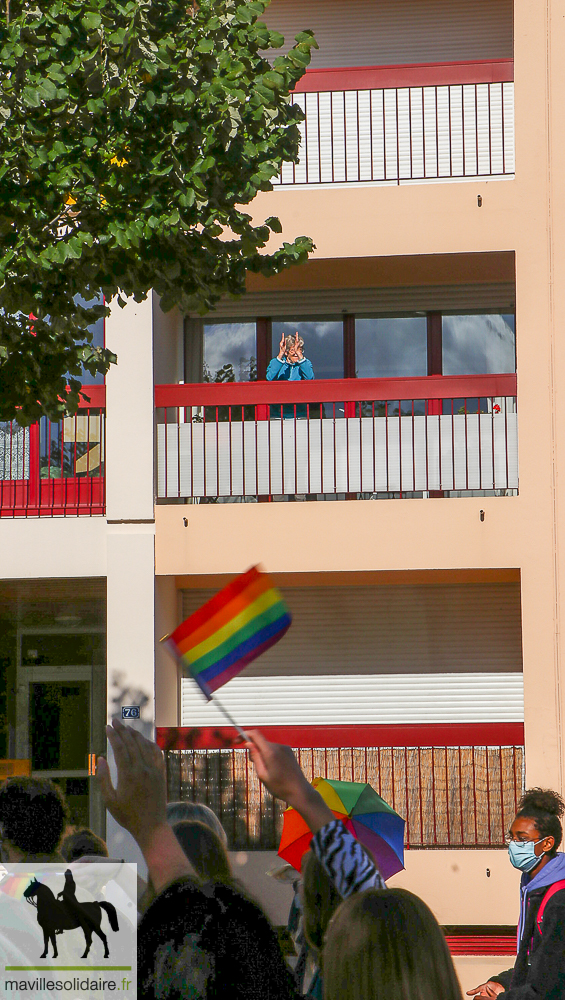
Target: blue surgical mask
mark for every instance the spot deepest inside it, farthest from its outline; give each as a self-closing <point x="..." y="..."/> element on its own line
<point x="522" y="854"/>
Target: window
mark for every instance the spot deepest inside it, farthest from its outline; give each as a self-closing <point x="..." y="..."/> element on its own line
<point x="230" y="352"/>
<point x="97" y="330"/>
<point x="478" y="345"/>
<point x="391" y="347"/>
<point x="323" y="343"/>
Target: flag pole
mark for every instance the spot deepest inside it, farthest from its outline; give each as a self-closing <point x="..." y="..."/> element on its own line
<point x="210" y="697"/>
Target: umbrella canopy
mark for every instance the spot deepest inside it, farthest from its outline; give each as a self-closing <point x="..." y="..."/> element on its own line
<point x="365" y="814"/>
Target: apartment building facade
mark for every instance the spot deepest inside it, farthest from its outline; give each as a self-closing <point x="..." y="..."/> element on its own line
<point x="407" y="500"/>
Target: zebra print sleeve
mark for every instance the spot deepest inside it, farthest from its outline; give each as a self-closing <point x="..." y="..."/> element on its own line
<point x="350" y="869"/>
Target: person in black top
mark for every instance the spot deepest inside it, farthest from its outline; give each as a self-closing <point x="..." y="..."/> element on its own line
<point x="535" y="835"/>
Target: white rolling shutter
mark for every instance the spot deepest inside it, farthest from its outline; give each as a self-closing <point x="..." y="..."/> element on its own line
<point x="390" y="654"/>
<point x="395" y="32"/>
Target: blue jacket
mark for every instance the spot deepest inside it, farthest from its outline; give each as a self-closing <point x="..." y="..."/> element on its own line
<point x="291" y="372"/>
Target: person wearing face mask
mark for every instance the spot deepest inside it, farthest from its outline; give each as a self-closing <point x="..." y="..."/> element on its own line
<point x="535" y="835"/>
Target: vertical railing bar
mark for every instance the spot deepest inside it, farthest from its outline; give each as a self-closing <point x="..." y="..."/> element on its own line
<point x="413" y="451"/>
<point x="447" y="800"/>
<point x="217" y="450"/>
<point x="421" y="804"/>
<point x="319" y="139"/>
<point x="501" y="792"/>
<point x="411" y="173"/>
<point x="397" y="140"/>
<point x="230" y="435"/>
<point x="386" y="447"/>
<point x="308" y="443"/>
<point x="434" y="793"/>
<point x="335" y="450"/>
<point x="487" y="770"/>
<point x="479" y="414"/>
<point x="474" y="754"/>
<point x="489" y="85"/>
<point x="332" y="134"/>
<point x="453" y="442"/>
<point x="295" y="450"/>
<point x="461" y="796"/>
<point x="449" y="130"/>
<point x="358" y="137"/>
<point x="371" y="133"/>
<point x="466" y="447"/>
<point x="492" y="415"/>
<point x="503" y="136"/>
<point x="407" y="796"/>
<point x="506" y="438"/>
<point x="345" y="157"/>
<point x="401" y="481"/>
<point x="437" y="132"/>
<point x="477" y="129"/>
<point x="424" y="136"/>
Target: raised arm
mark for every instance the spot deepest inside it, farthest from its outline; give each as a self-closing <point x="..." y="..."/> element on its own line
<point x="348" y="866"/>
<point x="138" y="802"/>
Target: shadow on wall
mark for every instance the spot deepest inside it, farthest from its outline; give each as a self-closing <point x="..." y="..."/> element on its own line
<point x="123" y="694"/>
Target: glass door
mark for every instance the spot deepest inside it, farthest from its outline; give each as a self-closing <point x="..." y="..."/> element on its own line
<point x="54" y="711"/>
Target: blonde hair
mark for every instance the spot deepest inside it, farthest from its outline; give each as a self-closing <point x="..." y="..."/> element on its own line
<point x="387" y="943"/>
<point x="290" y="342"/>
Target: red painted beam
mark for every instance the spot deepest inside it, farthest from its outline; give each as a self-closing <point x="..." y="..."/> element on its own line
<point x="97" y="395"/>
<point x="335" y="390"/>
<point x="483" y="944"/>
<point x="406" y="75"/>
<point x="479" y="734"/>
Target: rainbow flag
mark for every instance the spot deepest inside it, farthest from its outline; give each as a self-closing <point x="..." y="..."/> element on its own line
<point x="229" y="631"/>
<point x="14" y="885"/>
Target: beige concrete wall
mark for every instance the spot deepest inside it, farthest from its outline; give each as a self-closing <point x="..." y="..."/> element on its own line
<point x="44" y="547"/>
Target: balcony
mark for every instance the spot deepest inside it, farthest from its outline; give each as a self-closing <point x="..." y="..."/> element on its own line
<point x="342" y="438"/>
<point x="405" y="124"/>
<point x="55" y="469"/>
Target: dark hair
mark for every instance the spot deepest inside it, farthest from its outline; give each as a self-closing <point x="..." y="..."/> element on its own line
<point x="387" y="943"/>
<point x="204" y="850"/>
<point x="33" y="814"/>
<point x="203" y="941"/>
<point x="545" y="808"/>
<point x="81" y="842"/>
<point x="320" y="900"/>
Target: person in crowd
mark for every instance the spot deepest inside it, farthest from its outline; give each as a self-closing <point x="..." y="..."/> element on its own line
<point x="535" y="835"/>
<point x="178" y="811"/>
<point x="387" y="943"/>
<point x="197" y="941"/>
<point x="335" y="867"/>
<point x="204" y="850"/>
<point x="33" y="816"/>
<point x="290" y="363"/>
<point x="83" y="843"/>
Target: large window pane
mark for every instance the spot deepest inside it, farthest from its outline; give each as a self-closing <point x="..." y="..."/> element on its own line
<point x="391" y="347"/>
<point x="230" y="352"/>
<point x="323" y="343"/>
<point x="477" y="345"/>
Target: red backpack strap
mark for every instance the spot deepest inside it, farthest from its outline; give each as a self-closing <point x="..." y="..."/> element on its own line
<point x="556" y="887"/>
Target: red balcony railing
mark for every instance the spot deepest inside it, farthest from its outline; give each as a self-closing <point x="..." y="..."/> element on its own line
<point x="55" y="469"/>
<point x="359" y="438"/>
<point x="405" y="123"/>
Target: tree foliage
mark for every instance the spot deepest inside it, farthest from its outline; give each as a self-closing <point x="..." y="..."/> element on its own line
<point x="132" y="132"/>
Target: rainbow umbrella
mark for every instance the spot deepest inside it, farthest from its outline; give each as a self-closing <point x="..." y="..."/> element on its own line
<point x="368" y="817"/>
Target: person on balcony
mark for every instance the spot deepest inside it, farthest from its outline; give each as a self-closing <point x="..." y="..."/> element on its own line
<point x="290" y="362"/>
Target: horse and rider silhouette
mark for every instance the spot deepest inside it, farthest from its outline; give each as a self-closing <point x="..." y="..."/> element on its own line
<point x="54" y="917"/>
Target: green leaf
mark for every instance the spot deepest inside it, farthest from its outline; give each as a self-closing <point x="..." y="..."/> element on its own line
<point x="91" y="21"/>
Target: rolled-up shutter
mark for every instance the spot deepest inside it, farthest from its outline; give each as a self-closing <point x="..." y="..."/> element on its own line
<point x="382" y="654"/>
<point x="389" y="32"/>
